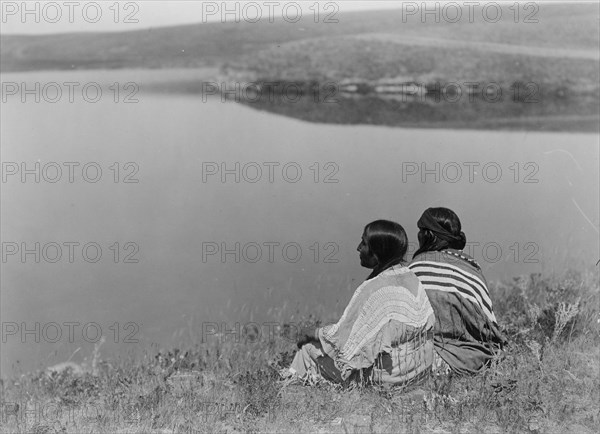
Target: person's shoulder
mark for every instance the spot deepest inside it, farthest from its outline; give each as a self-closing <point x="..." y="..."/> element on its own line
<point x="446" y="257"/>
<point x="400" y="270"/>
<point x="401" y="276"/>
<point x="434" y="256"/>
<point x="459" y="254"/>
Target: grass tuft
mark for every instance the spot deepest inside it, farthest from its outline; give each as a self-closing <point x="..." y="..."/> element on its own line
<point x="547" y="381"/>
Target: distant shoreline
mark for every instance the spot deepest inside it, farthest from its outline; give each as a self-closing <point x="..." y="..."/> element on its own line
<point x="383" y="102"/>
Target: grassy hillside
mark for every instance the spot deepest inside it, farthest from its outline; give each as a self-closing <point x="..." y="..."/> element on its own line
<point x="559" y="55"/>
<point x="547" y="382"/>
<point x="366" y="57"/>
<point x="559" y="26"/>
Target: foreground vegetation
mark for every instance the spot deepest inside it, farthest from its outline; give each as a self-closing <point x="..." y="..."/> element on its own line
<point x="548" y="381"/>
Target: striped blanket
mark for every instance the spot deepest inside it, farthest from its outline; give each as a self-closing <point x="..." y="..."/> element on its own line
<point x="387" y="315"/>
<point x="466" y="333"/>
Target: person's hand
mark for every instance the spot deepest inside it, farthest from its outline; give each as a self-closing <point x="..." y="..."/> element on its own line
<point x="306" y="335"/>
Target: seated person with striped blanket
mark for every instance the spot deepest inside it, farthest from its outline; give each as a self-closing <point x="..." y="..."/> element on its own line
<point x="466" y="334"/>
<point x="385" y="333"/>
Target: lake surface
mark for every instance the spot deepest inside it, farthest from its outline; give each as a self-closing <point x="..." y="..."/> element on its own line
<point x="297" y="237"/>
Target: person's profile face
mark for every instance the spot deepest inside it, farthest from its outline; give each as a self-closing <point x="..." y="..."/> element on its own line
<point x="367" y="259"/>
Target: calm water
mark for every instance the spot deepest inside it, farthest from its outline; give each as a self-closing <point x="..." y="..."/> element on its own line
<point x="514" y="227"/>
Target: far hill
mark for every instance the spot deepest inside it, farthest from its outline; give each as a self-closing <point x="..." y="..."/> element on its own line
<point x="559" y="54"/>
<point x="560" y="26"/>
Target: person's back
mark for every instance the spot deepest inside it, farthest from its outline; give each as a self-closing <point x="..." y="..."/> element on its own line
<point x="466" y="333"/>
<point x="385" y="332"/>
<point x="386" y="327"/>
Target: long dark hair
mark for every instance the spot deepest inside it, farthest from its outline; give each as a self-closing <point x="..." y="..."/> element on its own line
<point x="440" y="229"/>
<point x="388" y="242"/>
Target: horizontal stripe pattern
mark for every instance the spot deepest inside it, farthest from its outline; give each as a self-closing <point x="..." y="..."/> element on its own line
<point x="450" y="278"/>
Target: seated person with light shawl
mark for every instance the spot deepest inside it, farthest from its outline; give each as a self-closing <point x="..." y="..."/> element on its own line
<point x="384" y="335"/>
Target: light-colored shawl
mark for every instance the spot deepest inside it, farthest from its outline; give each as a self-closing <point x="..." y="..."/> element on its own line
<point x="383" y="314"/>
